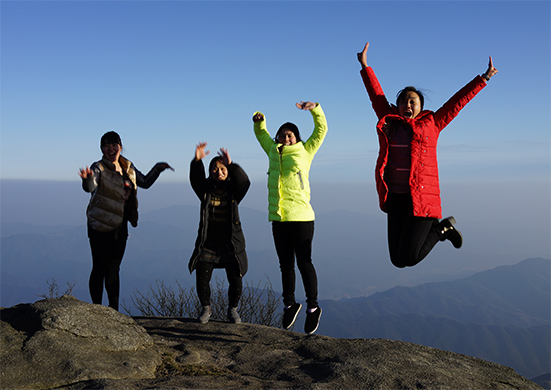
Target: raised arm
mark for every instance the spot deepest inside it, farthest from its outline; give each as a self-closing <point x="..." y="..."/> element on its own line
<point x="90" y="177"/>
<point x="146" y="181"/>
<point x="380" y="104"/>
<point x="197" y="177"/>
<point x="239" y="180"/>
<point x="444" y="115"/>
<point x="261" y="132"/>
<point x="314" y="142"/>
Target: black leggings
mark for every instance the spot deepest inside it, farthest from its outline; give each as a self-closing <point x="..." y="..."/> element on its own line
<point x="410" y="239"/>
<point x="107" y="253"/>
<point x="203" y="274"/>
<point x="290" y="239"/>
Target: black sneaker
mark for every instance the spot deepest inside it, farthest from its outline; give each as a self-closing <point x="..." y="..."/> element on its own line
<point x="312" y="321"/>
<point x="290" y="315"/>
<point x="449" y="232"/>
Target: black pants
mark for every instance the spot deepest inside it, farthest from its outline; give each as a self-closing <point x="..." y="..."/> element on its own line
<point x="203" y="274"/>
<point x="290" y="239"/>
<point x="107" y="253"/>
<point x="410" y="239"/>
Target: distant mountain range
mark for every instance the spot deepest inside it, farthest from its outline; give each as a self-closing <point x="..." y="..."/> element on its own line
<point x="349" y="252"/>
<point x="501" y="314"/>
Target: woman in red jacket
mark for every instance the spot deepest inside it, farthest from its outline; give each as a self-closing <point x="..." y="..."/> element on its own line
<point x="406" y="174"/>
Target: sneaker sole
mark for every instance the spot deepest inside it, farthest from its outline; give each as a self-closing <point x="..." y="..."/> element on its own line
<point x="294" y="318"/>
<point x="318" y="324"/>
<point x="452" y="220"/>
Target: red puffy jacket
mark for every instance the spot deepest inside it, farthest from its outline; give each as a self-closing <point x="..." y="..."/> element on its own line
<point x="423" y="179"/>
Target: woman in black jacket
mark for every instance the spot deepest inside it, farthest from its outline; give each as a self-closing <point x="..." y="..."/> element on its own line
<point x="220" y="241"/>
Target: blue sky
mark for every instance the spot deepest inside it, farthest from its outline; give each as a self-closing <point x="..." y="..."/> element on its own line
<point x="166" y="75"/>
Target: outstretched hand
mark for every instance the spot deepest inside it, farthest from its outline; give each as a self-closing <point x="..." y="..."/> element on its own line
<point x="258" y="117"/>
<point x="166" y="166"/>
<point x="491" y="70"/>
<point x="200" y="151"/>
<point x="305" y="105"/>
<point x="362" y="57"/>
<point x="85" y="172"/>
<point x="225" y="156"/>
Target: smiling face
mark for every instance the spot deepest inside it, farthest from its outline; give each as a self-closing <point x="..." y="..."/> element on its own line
<point x="286" y="137"/>
<point x="112" y="152"/>
<point x="409" y="106"/>
<point x="219" y="171"/>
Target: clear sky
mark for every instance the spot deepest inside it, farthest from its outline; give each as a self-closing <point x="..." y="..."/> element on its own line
<point x="168" y="74"/>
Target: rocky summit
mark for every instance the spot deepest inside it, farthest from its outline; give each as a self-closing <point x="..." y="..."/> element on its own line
<point x="57" y="342"/>
<point x="68" y="344"/>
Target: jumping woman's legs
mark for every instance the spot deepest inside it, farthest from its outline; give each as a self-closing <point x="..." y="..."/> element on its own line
<point x="235" y="283"/>
<point x="292" y="238"/>
<point x="410" y="239"/>
<point x="203" y="274"/>
<point x="285" y="252"/>
<point x="304" y="235"/>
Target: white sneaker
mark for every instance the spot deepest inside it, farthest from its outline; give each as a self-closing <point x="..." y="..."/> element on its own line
<point x="204" y="317"/>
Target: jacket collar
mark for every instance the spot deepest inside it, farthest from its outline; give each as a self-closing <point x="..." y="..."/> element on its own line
<point x="125" y="164"/>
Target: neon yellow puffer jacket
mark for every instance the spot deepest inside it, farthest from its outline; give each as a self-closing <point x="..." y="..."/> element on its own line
<point x="288" y="176"/>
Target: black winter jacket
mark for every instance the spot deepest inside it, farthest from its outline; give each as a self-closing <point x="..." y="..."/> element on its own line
<point x="238" y="185"/>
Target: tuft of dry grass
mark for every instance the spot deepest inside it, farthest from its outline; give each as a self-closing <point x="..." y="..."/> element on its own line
<point x="170" y="367"/>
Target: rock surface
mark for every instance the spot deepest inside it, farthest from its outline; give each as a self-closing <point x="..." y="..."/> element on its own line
<point x="57" y="342"/>
<point x="217" y="355"/>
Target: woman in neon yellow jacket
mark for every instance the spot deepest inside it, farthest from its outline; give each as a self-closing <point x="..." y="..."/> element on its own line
<point x="289" y="208"/>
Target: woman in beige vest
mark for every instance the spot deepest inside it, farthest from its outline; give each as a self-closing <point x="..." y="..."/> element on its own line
<point x="113" y="182"/>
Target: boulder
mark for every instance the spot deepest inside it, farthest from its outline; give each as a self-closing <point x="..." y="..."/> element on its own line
<point x="56" y="342"/>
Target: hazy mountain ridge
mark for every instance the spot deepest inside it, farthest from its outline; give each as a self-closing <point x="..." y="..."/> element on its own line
<point x="524" y="349"/>
<point x="508" y="295"/>
<point x="11" y="229"/>
<point x="349" y="252"/>
<point x="500" y="314"/>
<point x="482" y="315"/>
<point x="160" y="247"/>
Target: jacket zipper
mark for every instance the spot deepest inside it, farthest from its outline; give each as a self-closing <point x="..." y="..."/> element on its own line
<point x="299" y="174"/>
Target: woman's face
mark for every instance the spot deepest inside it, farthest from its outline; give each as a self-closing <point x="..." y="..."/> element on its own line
<point x="286" y="137"/>
<point x="410" y="105"/>
<point x="219" y="171"/>
<point x="111" y="152"/>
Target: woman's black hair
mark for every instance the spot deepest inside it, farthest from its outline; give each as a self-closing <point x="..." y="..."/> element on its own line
<point x="110" y="138"/>
<point x="402" y="94"/>
<point x="212" y="162"/>
<point x="288" y="126"/>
